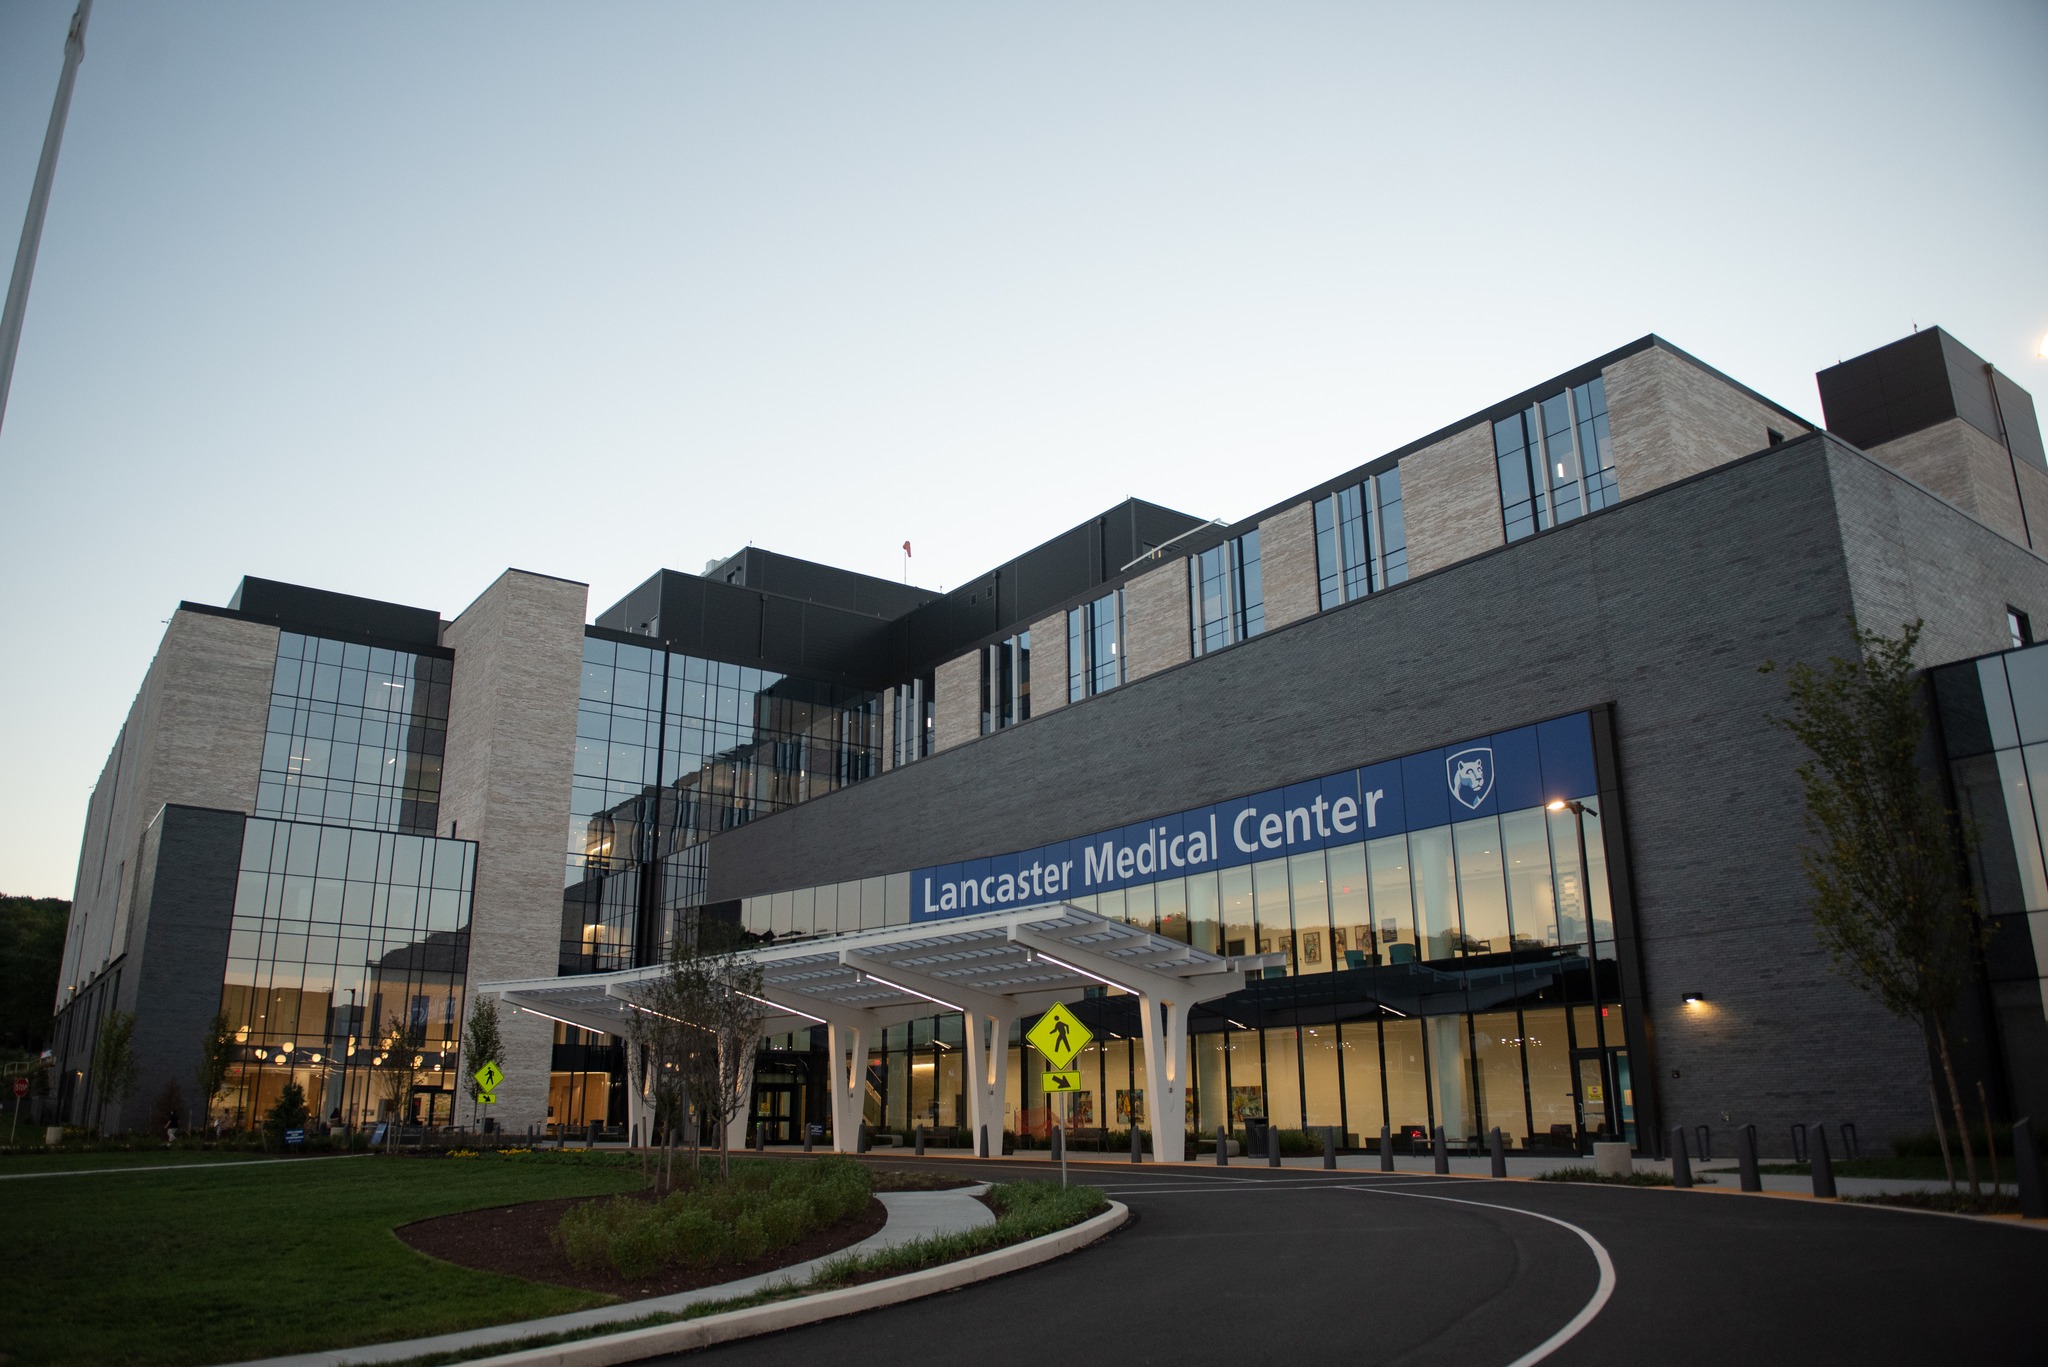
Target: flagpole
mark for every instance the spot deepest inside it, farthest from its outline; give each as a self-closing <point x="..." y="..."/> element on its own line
<point x="38" y="203"/>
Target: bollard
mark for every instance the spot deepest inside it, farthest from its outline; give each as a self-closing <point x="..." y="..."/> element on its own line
<point x="1137" y="1142"/>
<point x="1272" y="1146"/>
<point x="1799" y="1146"/>
<point x="1498" y="1152"/>
<point x="807" y="1136"/>
<point x="1059" y="1145"/>
<point x="917" y="1140"/>
<point x="1745" y="1158"/>
<point x="760" y="1137"/>
<point x="596" y="1129"/>
<point x="2026" y="1159"/>
<point x="1823" y="1165"/>
<point x="1681" y="1166"/>
<point x="984" y="1141"/>
<point x="861" y="1138"/>
<point x="1329" y="1146"/>
<point x="1222" y="1146"/>
<point x="636" y="1135"/>
<point x="1441" y="1162"/>
<point x="1386" y="1149"/>
<point x="1706" y="1138"/>
<point x="1849" y="1140"/>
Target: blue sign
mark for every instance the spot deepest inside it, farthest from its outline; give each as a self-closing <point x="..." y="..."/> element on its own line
<point x="294" y="1136"/>
<point x="1483" y="776"/>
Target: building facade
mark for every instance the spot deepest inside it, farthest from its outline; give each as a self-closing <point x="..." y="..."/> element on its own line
<point x="1469" y="742"/>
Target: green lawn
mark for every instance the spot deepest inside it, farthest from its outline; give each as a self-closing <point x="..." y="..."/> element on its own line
<point x="182" y="1265"/>
<point x="57" y="1160"/>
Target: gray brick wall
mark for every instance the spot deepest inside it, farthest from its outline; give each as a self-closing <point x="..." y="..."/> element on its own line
<point x="505" y="784"/>
<point x="1450" y="500"/>
<point x="1965" y="467"/>
<point x="1049" y="664"/>
<point x="1665" y="607"/>
<point x="1156" y="628"/>
<point x="956" y="707"/>
<point x="172" y="977"/>
<point x="1287" y="564"/>
<point x="1669" y="419"/>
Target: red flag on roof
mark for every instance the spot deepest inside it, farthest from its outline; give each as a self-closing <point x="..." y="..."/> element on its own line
<point x="906" y="548"/>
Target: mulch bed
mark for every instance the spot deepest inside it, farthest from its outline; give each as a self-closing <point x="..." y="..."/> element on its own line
<point x="515" y="1240"/>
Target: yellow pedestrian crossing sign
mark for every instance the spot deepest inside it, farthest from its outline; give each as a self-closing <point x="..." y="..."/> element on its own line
<point x="1061" y="1082"/>
<point x="487" y="1079"/>
<point x="1059" y="1035"/>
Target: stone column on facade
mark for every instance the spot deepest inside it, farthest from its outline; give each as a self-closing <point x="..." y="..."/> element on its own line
<point x="1450" y="500"/>
<point x="1048" y="664"/>
<point x="957" y="705"/>
<point x="505" y="784"/>
<point x="1287" y="564"/>
<point x="1158" y="633"/>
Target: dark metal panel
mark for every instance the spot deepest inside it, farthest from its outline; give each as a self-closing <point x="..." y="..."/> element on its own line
<point x="294" y="605"/>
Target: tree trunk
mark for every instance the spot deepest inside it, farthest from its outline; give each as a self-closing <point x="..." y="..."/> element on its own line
<point x="1955" y="1094"/>
<point x="1941" y="1134"/>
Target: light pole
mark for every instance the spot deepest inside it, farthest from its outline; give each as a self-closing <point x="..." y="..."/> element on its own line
<point x="39" y="203"/>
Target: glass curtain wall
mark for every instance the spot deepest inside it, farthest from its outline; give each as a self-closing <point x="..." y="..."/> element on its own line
<point x="346" y="959"/>
<point x="1095" y="636"/>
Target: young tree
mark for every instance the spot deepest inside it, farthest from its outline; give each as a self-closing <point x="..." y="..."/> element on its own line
<point x="288" y="1113"/>
<point x="216" y="1057"/>
<point x="702" y="1027"/>
<point x="113" y="1062"/>
<point x="397" y="1064"/>
<point x="481" y="1044"/>
<point x="1890" y="901"/>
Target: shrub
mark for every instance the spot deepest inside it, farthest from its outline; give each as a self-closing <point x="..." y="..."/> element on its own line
<point x="762" y="1208"/>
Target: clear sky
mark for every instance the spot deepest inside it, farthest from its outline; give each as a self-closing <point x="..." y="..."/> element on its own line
<point x="387" y="297"/>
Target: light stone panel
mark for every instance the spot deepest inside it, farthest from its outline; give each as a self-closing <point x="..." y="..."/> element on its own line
<point x="956" y="704"/>
<point x="1669" y="419"/>
<point x="1156" y="627"/>
<point x="1450" y="500"/>
<point x="511" y="747"/>
<point x="1287" y="564"/>
<point x="1048" y="664"/>
<point x="1966" y="467"/>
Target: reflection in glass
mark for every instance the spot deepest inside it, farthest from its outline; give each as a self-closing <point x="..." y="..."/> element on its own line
<point x="1436" y="898"/>
<point x="1481" y="893"/>
<point x="1351" y="941"/>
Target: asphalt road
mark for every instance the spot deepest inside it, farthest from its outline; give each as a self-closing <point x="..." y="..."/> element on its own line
<point x="1249" y="1266"/>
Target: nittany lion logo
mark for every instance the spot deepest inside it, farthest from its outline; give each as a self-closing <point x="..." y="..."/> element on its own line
<point x="1471" y="775"/>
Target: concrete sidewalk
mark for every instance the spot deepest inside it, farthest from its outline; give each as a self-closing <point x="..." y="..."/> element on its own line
<point x="912" y="1215"/>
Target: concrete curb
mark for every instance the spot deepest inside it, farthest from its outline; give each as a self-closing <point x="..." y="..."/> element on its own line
<point x="637" y="1344"/>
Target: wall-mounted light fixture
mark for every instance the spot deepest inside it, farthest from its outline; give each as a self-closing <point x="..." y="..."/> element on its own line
<point x="1695" y="999"/>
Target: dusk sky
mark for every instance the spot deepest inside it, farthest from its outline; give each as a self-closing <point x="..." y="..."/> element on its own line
<point x="385" y="298"/>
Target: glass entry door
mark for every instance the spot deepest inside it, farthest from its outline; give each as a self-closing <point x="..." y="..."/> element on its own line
<point x="1594" y="1089"/>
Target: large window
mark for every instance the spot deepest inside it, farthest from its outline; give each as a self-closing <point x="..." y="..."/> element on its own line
<point x="346" y="958"/>
<point x="1227" y="595"/>
<point x="1556" y="462"/>
<point x="1361" y="540"/>
<point x="356" y="735"/>
<point x="1095" y="637"/>
<point x="912" y="718"/>
<point x="1006" y="683"/>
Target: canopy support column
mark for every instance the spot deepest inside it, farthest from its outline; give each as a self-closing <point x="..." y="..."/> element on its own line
<point x="1166" y="1076"/>
<point x="846" y="1053"/>
<point x="988" y="1081"/>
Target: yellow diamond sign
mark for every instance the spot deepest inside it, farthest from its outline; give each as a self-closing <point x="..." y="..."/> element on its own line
<point x="489" y="1076"/>
<point x="1059" y="1035"/>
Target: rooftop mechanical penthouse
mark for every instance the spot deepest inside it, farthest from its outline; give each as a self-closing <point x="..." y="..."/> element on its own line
<point x="1454" y="769"/>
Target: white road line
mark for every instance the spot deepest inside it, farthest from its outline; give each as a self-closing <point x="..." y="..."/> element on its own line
<point x="177" y="1167"/>
<point x="1601" y="1294"/>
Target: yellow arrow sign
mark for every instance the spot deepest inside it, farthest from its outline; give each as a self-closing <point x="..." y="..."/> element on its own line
<point x="487" y="1098"/>
<point x="1061" y="1082"/>
<point x="489" y="1076"/>
<point x="1059" y="1035"/>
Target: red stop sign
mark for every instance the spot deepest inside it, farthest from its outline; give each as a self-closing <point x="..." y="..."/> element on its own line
<point x="21" y="1086"/>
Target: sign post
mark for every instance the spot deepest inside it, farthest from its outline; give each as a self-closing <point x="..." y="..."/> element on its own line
<point x="20" y="1091"/>
<point x="1059" y="1036"/>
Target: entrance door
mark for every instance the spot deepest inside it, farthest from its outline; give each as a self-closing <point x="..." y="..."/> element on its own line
<point x="775" y="1110"/>
<point x="1594" y="1090"/>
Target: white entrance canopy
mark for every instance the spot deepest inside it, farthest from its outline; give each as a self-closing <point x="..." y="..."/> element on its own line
<point x="994" y="969"/>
